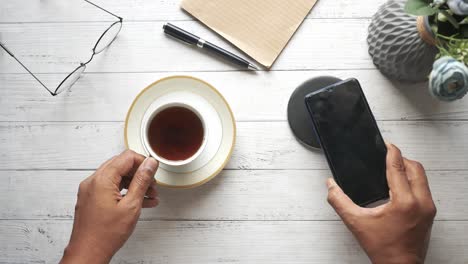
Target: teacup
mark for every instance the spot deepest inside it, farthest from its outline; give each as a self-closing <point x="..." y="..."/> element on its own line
<point x="174" y="132"/>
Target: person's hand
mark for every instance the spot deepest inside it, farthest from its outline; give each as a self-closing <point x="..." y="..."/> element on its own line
<point x="104" y="219"/>
<point x="398" y="231"/>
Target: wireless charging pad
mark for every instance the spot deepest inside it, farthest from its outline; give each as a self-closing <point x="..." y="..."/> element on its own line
<point x="298" y="116"/>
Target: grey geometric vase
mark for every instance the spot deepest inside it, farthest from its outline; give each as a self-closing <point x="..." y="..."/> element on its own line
<point x="396" y="43"/>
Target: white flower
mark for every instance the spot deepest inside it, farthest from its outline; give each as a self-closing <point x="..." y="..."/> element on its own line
<point x="449" y="79"/>
<point x="459" y="7"/>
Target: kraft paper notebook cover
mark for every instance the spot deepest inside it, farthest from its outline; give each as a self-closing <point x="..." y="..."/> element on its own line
<point x="260" y="28"/>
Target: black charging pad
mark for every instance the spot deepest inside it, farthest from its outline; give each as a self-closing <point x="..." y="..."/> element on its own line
<point x="298" y="116"/>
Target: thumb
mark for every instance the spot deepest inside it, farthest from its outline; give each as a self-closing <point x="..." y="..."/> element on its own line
<point x="342" y="204"/>
<point x="142" y="180"/>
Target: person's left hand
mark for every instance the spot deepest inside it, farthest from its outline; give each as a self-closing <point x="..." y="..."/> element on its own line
<point x="104" y="219"/>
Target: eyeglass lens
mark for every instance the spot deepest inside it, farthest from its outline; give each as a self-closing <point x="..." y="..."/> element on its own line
<point x="71" y="79"/>
<point x="108" y="37"/>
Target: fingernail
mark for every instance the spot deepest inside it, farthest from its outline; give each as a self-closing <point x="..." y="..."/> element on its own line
<point x="331" y="183"/>
<point x="151" y="164"/>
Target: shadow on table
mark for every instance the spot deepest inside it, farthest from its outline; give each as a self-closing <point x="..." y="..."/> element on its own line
<point x="187" y="204"/>
<point x="417" y="95"/>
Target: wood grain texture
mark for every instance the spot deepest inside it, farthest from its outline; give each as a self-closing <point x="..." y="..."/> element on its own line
<point x="222" y="242"/>
<point x="260" y="145"/>
<point x="143" y="47"/>
<point x="253" y="97"/>
<point x="274" y="195"/>
<point x="269" y="205"/>
<point x="14" y="11"/>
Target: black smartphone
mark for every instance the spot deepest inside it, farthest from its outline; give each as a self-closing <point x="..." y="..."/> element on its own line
<point x="351" y="140"/>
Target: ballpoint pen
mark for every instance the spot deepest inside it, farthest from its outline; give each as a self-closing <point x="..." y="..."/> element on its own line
<point x="191" y="39"/>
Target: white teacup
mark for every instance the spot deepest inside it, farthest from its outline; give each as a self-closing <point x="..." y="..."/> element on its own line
<point x="152" y="112"/>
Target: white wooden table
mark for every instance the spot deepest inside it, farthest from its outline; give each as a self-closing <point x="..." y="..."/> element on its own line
<point x="269" y="204"/>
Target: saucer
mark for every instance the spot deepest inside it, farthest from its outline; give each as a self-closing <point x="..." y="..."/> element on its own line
<point x="220" y="143"/>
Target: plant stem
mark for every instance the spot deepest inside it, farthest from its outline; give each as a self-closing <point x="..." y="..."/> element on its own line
<point x="452" y="38"/>
<point x="450" y="18"/>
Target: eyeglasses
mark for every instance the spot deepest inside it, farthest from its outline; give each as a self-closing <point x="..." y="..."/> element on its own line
<point x="102" y="43"/>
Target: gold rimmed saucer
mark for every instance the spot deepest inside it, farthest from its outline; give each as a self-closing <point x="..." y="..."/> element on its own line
<point x="186" y="84"/>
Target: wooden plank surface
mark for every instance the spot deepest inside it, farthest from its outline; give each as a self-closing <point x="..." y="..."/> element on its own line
<point x="260" y="145"/>
<point x="258" y="97"/>
<point x="222" y="242"/>
<point x="14" y="11"/>
<point x="275" y="195"/>
<point x="143" y="47"/>
<point x="269" y="205"/>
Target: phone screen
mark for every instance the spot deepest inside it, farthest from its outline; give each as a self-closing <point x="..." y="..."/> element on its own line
<point x="351" y="140"/>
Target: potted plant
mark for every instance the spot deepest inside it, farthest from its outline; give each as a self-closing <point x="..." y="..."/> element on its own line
<point x="402" y="46"/>
<point x="448" y="20"/>
<point x="407" y="36"/>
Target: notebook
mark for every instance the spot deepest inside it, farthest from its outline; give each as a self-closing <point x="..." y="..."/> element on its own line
<point x="260" y="28"/>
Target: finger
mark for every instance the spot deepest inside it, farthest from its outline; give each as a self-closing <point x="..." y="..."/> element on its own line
<point x="142" y="180"/>
<point x="152" y="191"/>
<point x="125" y="183"/>
<point x="418" y="180"/>
<point x="150" y="203"/>
<point x="105" y="164"/>
<point x="342" y="204"/>
<point x="124" y="164"/>
<point x="396" y="172"/>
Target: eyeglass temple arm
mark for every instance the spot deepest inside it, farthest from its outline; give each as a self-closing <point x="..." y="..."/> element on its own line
<point x="91" y="3"/>
<point x="26" y="68"/>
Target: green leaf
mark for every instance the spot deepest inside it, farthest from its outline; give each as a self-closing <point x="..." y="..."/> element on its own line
<point x="419" y="8"/>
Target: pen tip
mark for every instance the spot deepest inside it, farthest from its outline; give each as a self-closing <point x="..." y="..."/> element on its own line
<point x="253" y="67"/>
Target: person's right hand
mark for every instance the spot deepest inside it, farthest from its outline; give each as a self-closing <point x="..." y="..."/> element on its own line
<point x="398" y="231"/>
<point x="104" y="218"/>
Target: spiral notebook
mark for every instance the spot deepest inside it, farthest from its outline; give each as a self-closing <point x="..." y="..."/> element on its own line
<point x="260" y="28"/>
